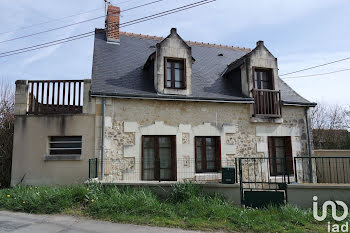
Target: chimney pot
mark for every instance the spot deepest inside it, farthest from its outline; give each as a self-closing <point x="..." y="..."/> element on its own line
<point x="173" y="30"/>
<point x="112" y="24"/>
<point x="260" y="42"/>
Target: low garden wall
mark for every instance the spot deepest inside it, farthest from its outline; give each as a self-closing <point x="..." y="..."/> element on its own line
<point x="230" y="191"/>
<point x="301" y="195"/>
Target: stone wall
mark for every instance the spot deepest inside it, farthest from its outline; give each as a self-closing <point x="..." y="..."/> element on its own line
<point x="128" y="119"/>
<point x="115" y="141"/>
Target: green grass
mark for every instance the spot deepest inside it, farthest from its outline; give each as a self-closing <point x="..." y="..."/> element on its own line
<point x="187" y="207"/>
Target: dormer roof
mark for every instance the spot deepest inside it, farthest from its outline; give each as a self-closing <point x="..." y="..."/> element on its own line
<point x="118" y="70"/>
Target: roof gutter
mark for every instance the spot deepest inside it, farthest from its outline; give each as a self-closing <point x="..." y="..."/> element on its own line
<point x="300" y="104"/>
<point x="165" y="97"/>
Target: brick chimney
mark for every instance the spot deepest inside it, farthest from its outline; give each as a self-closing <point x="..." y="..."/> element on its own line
<point x="112" y="24"/>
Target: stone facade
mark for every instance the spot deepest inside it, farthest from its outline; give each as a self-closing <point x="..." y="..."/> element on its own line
<point x="240" y="135"/>
<point x="115" y="141"/>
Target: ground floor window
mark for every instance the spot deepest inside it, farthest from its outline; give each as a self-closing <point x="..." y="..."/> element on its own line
<point x="65" y="145"/>
<point x="159" y="158"/>
<point x="280" y="156"/>
<point x="208" y="154"/>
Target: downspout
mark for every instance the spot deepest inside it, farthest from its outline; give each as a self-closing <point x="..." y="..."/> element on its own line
<point x="103" y="137"/>
<point x="309" y="143"/>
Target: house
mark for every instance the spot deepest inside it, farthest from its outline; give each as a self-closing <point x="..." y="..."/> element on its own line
<point x="158" y="109"/>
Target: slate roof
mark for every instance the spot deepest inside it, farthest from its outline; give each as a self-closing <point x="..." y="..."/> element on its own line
<point x="118" y="71"/>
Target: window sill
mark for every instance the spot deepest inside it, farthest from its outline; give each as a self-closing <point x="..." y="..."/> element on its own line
<point x="62" y="157"/>
<point x="208" y="176"/>
<point x="266" y="120"/>
<point x="175" y="88"/>
<point x="280" y="178"/>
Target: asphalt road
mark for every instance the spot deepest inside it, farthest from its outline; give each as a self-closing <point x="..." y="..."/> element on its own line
<point x="25" y="223"/>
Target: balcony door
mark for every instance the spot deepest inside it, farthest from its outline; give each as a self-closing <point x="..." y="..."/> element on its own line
<point x="159" y="158"/>
<point x="263" y="79"/>
<point x="266" y="99"/>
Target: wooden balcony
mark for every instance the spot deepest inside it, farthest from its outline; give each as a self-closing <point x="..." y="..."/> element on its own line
<point x="55" y="97"/>
<point x="267" y="103"/>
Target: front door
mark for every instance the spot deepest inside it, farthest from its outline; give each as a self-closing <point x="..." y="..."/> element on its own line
<point x="280" y="156"/>
<point x="159" y="158"/>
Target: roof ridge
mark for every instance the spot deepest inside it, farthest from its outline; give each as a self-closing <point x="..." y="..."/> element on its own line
<point x="195" y="43"/>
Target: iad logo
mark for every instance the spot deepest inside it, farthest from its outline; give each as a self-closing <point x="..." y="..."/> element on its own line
<point x="334" y="227"/>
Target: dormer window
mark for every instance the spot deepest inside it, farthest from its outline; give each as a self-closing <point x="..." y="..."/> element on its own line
<point x="263" y="79"/>
<point x="175" y="73"/>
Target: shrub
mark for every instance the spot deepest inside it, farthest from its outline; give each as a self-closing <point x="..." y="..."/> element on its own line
<point x="45" y="199"/>
<point x="125" y="201"/>
<point x="184" y="191"/>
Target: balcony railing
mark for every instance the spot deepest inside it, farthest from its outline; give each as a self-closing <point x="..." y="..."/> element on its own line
<point x="267" y="103"/>
<point x="55" y="97"/>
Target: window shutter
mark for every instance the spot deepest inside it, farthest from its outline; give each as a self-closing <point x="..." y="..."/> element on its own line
<point x="272" y="156"/>
<point x="195" y="154"/>
<point x="173" y="157"/>
<point x="165" y="72"/>
<point x="289" y="154"/>
<point x="218" y="153"/>
<point x="142" y="158"/>
<point x="185" y="77"/>
<point x="253" y="75"/>
<point x="272" y="79"/>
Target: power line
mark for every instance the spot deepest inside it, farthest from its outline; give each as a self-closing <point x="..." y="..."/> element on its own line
<point x="311" y="75"/>
<point x="69" y="25"/>
<point x="47" y="44"/>
<point x="50" y="30"/>
<point x="168" y="12"/>
<point x="58" y="19"/>
<point x="83" y="35"/>
<point x="313" y="67"/>
<point x="146" y="4"/>
<point x="54" y="20"/>
<point x="51" y="44"/>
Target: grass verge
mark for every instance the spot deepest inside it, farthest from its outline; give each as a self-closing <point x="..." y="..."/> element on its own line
<point x="187" y="207"/>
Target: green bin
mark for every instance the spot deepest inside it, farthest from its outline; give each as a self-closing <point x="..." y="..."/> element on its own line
<point x="228" y="175"/>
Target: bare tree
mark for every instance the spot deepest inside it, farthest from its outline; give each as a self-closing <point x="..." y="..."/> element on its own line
<point x="330" y="125"/>
<point x="6" y="131"/>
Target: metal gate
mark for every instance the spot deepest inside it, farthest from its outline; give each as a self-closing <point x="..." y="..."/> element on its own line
<point x="263" y="181"/>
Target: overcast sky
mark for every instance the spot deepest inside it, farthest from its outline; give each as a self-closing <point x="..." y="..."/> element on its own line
<point x="300" y="33"/>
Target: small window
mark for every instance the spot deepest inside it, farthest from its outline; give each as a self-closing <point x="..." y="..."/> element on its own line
<point x="280" y="156"/>
<point x="263" y="79"/>
<point x="208" y="155"/>
<point x="65" y="145"/>
<point x="175" y="73"/>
